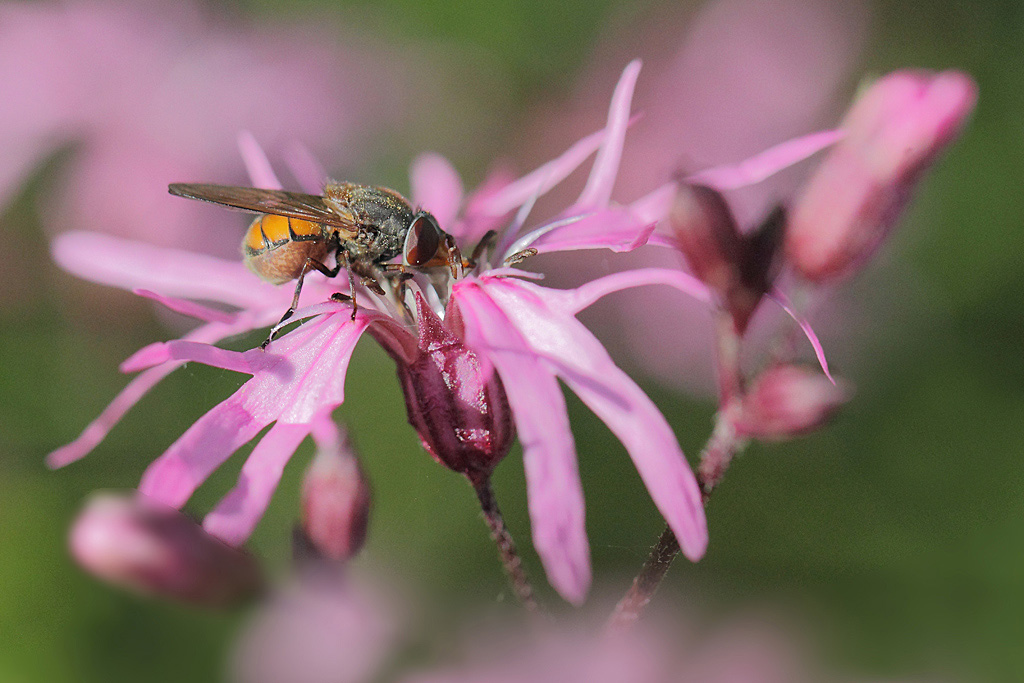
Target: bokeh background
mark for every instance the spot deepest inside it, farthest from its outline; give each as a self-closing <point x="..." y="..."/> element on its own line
<point x="895" y="537"/>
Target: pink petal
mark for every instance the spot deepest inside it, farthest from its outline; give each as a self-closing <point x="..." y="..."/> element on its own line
<point x="189" y="308"/>
<point x="307" y="170"/>
<point x="583" y="363"/>
<point x="235" y="517"/>
<point x="598" y="190"/>
<point x="573" y="301"/>
<point x="542" y="179"/>
<point x="146" y="357"/>
<point x="130" y="395"/>
<point x="134" y="265"/>
<point x="175" y="475"/>
<point x="248" y="362"/>
<point x="261" y="173"/>
<point x="436" y="187"/>
<point x="613" y="228"/>
<point x="98" y="429"/>
<point x="819" y="351"/>
<point x="549" y="456"/>
<point x="767" y="163"/>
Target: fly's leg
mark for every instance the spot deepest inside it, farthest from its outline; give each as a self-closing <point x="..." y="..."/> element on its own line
<point x="485" y="243"/>
<point x="398" y="274"/>
<point x="310" y="264"/>
<point x="455" y="260"/>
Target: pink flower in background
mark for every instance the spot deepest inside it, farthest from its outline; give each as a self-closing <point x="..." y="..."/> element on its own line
<point x="149" y="93"/>
<point x="140" y="544"/>
<point x="525" y="333"/>
<point x="894" y="132"/>
<point x="733" y="78"/>
<point x="323" y="627"/>
<point x="329" y="627"/>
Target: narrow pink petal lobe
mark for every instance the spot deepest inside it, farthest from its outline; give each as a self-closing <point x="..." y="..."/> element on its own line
<point x="598" y="190"/>
<point x="189" y="308"/>
<point x="136" y="389"/>
<point x="765" y="164"/>
<point x="261" y="173"/>
<point x="572" y="301"/>
<point x="542" y="179"/>
<point x="549" y="455"/>
<point x="172" y="272"/>
<point x="805" y="327"/>
<point x="98" y="429"/>
<point x="235" y="517"/>
<point x="611" y="228"/>
<point x="175" y="475"/>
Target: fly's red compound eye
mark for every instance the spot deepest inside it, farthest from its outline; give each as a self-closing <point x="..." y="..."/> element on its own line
<point x="423" y="240"/>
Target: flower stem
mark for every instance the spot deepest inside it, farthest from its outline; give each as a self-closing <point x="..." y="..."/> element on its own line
<point x="646" y="583"/>
<point x="727" y="359"/>
<point x="715" y="459"/>
<point x="723" y="444"/>
<point x="503" y="539"/>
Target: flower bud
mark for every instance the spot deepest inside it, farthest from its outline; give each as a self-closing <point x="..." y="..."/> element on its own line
<point x="140" y="544"/>
<point x="455" y="402"/>
<point x="894" y="131"/>
<point x="706" y="234"/>
<point x="787" y="400"/>
<point x="335" y="502"/>
<point x="739" y="268"/>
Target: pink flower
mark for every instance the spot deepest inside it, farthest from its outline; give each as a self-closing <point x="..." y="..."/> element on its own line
<point x="894" y="132"/>
<point x="331" y="628"/>
<point x="148" y="93"/>
<point x="502" y="326"/>
<point x="322" y="627"/>
<point x="721" y="83"/>
<point x="143" y="545"/>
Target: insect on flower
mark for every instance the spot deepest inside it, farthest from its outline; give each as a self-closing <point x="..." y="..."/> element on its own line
<point x="361" y="226"/>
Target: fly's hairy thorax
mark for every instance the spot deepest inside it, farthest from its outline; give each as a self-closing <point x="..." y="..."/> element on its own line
<point x="381" y="216"/>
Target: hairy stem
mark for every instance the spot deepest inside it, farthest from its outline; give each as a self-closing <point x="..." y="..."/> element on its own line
<point x="646" y="583"/>
<point x="503" y="539"/>
<point x="715" y="459"/>
<point x="723" y="444"/>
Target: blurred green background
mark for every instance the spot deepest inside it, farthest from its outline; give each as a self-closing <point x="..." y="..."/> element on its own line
<point x="897" y="533"/>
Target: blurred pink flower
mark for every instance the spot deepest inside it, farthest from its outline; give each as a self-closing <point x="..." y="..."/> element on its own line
<point x="894" y="132"/>
<point x="133" y="542"/>
<point x="335" y="499"/>
<point x="329" y="627"/>
<point x="527" y="333"/>
<point x="150" y="93"/>
<point x="323" y="627"/>
<point x="735" y="77"/>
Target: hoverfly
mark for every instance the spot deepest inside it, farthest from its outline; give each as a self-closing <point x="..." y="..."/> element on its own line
<point x="363" y="227"/>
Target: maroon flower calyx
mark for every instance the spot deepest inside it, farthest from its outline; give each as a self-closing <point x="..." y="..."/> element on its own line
<point x="335" y="502"/>
<point x="454" y="399"/>
<point x="739" y="268"/>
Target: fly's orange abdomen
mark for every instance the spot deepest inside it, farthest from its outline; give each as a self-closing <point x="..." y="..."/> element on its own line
<point x="276" y="247"/>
